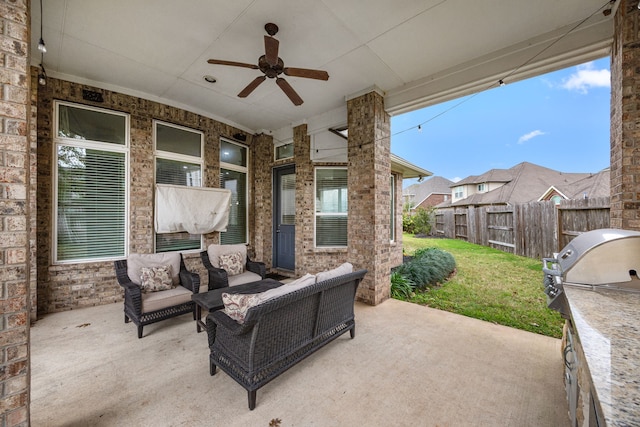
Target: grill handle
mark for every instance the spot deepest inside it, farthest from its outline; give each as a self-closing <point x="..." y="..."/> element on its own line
<point x="547" y="270"/>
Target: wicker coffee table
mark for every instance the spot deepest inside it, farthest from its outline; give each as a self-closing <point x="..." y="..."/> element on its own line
<point x="212" y="300"/>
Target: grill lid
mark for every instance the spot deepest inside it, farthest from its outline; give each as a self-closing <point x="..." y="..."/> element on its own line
<point x="601" y="257"/>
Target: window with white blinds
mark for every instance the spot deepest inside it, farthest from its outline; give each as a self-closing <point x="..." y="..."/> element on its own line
<point x="233" y="176"/>
<point x="90" y="182"/>
<point x="331" y="207"/>
<point x="178" y="162"/>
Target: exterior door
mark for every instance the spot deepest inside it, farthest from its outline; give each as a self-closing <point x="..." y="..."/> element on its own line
<point x="284" y="233"/>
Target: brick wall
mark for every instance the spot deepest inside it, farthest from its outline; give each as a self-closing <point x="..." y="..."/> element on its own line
<point x="63" y="287"/>
<point x="625" y="112"/>
<point x="263" y="191"/>
<point x="432" y="200"/>
<point x="310" y="259"/>
<point x="15" y="219"/>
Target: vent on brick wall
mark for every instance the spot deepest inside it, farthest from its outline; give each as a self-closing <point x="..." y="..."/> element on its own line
<point x="89" y="95"/>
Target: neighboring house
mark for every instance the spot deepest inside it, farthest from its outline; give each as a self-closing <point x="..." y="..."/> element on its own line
<point x="526" y="182"/>
<point x="594" y="185"/>
<point x="431" y="192"/>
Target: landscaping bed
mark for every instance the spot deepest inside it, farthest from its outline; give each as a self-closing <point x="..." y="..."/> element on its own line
<point x="488" y="284"/>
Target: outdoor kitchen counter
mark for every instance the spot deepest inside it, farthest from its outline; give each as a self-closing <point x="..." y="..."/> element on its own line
<point x="607" y="323"/>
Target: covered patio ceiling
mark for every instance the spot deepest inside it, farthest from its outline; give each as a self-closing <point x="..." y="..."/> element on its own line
<point x="416" y="52"/>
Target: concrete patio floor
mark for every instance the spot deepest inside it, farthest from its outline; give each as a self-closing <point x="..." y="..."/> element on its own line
<point x="407" y="366"/>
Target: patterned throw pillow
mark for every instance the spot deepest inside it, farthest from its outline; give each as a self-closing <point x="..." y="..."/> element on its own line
<point x="237" y="305"/>
<point x="232" y="263"/>
<point x="153" y="279"/>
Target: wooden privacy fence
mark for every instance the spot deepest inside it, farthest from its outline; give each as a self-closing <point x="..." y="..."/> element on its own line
<point x="534" y="230"/>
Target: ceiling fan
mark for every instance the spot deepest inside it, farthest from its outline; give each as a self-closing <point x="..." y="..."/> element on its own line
<point x="272" y="66"/>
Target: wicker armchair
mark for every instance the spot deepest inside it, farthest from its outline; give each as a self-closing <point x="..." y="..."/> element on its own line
<point x="146" y="308"/>
<point x="219" y="277"/>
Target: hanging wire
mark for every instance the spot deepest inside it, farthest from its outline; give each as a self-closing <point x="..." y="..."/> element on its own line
<point x="500" y="82"/>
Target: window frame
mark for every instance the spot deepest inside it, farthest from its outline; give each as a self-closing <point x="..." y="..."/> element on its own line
<point x="275" y="151"/>
<point x="315" y="207"/>
<point x="458" y="192"/>
<point x="239" y="169"/>
<point x="177" y="157"/>
<point x="392" y="223"/>
<point x="58" y="141"/>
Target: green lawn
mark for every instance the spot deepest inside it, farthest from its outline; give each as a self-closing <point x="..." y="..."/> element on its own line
<point x="490" y="285"/>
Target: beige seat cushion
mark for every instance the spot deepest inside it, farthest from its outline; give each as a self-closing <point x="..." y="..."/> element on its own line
<point x="345" y="268"/>
<point x="135" y="262"/>
<point x="306" y="280"/>
<point x="163" y="299"/>
<point x="215" y="251"/>
<point x="246" y="277"/>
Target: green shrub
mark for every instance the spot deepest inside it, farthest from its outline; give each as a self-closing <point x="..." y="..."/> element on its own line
<point x="418" y="222"/>
<point x="429" y="267"/>
<point x="401" y="287"/>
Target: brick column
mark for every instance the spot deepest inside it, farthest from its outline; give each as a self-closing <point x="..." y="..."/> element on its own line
<point x="305" y="215"/>
<point x="369" y="157"/>
<point x="15" y="219"/>
<point x="262" y="161"/>
<point x="625" y="118"/>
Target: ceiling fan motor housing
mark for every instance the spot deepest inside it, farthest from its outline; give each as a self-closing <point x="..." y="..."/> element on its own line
<point x="271" y="71"/>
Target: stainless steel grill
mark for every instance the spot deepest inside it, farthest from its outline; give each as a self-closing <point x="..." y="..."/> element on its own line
<point x="604" y="258"/>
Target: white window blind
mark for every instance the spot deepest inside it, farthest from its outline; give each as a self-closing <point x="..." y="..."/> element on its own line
<point x="237" y="228"/>
<point x="90" y="182"/>
<point x="331" y="207"/>
<point x="234" y="160"/>
<point x="178" y="162"/>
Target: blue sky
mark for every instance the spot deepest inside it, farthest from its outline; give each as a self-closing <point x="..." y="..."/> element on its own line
<point x="558" y="120"/>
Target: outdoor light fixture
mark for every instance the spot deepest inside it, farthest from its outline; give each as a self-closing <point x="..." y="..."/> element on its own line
<point x="501" y="82"/>
<point x="42" y="76"/>
<point x="41" y="46"/>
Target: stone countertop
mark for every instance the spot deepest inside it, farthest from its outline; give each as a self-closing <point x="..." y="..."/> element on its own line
<point x="607" y="323"/>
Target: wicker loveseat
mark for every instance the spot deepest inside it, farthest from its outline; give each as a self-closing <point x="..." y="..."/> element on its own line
<point x="280" y="332"/>
<point x="146" y="308"/>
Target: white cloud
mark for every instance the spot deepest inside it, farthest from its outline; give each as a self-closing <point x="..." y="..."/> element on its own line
<point x="528" y="136"/>
<point x="587" y="77"/>
<point x="456" y="179"/>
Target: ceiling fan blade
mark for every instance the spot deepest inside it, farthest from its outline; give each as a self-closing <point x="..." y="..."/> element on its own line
<point x="251" y="86"/>
<point x="306" y="73"/>
<point x="271" y="50"/>
<point x="232" y="63"/>
<point x="288" y="90"/>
